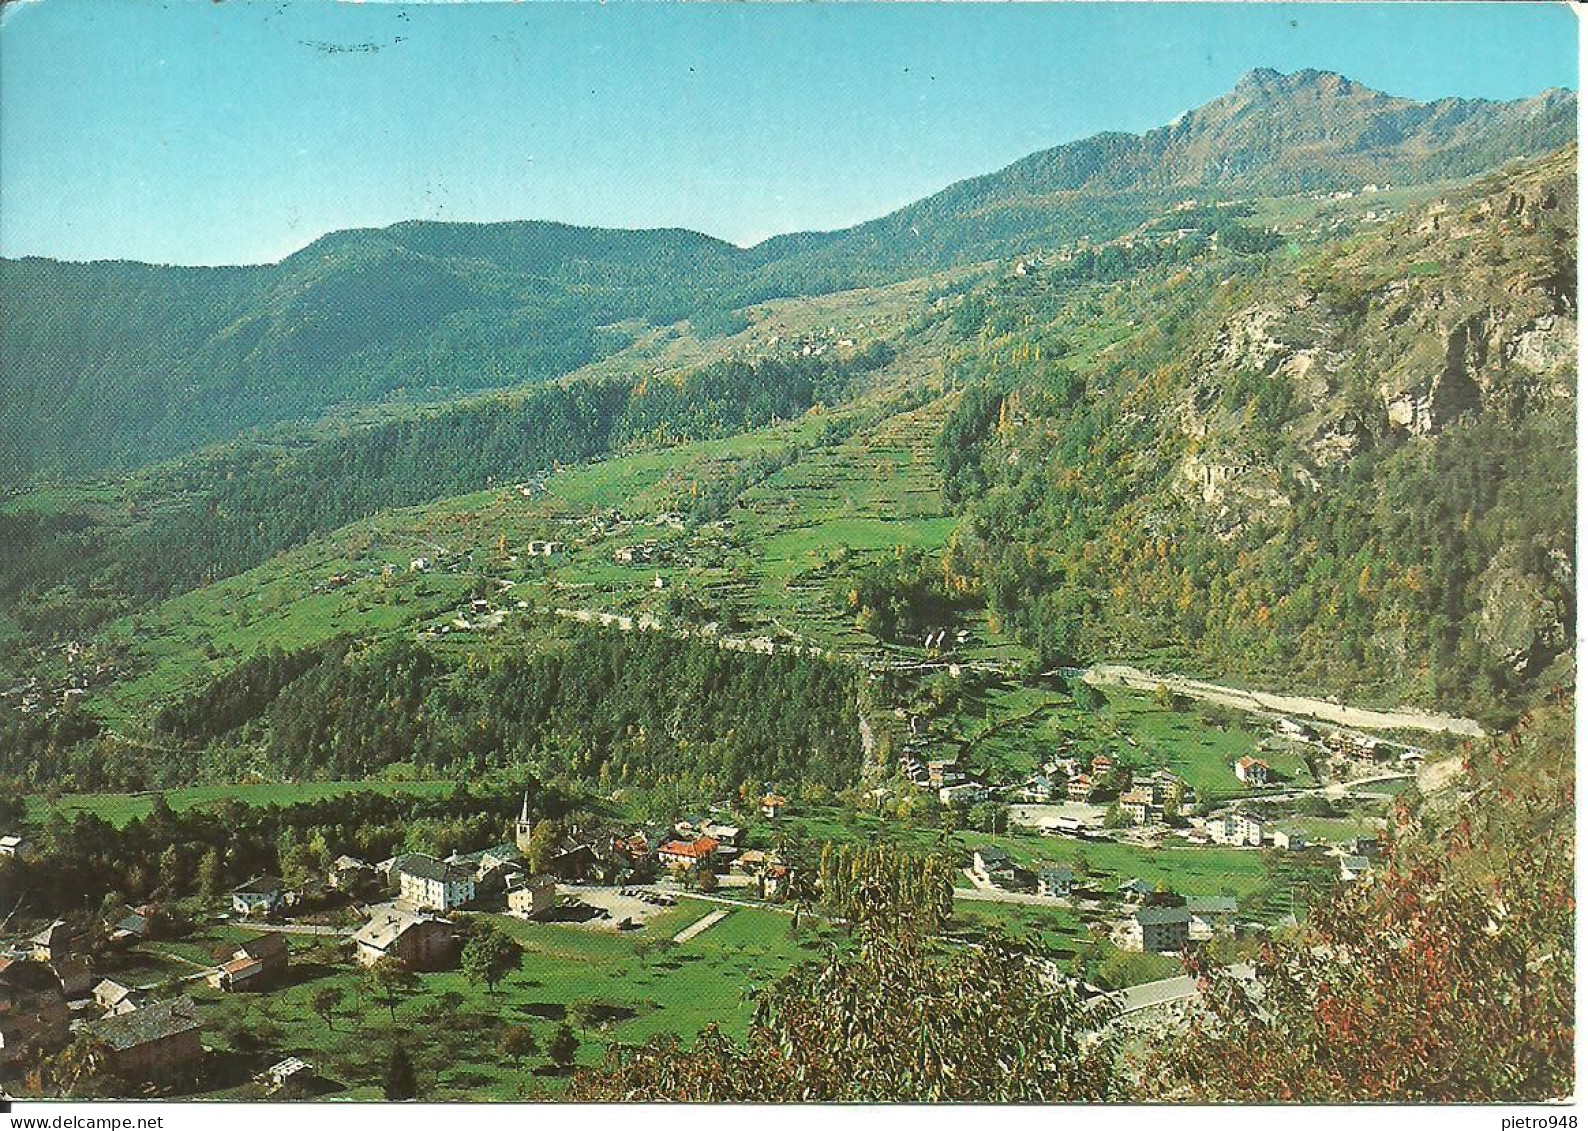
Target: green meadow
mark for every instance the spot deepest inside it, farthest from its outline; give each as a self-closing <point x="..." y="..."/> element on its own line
<point x="119" y="808"/>
<point x="609" y="988"/>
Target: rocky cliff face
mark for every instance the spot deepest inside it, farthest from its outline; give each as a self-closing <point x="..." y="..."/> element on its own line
<point x="1522" y="622"/>
<point x="1463" y="307"/>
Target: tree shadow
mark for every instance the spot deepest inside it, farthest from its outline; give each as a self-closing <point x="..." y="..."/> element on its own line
<point x="546" y="1010"/>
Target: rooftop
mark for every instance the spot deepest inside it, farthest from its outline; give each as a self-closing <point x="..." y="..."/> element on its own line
<point x="383" y="930"/>
<point x="266" y="945"/>
<point x="154" y="1022"/>
<point x="694" y="849"/>
<point x="1162" y="916"/>
<point x="429" y="868"/>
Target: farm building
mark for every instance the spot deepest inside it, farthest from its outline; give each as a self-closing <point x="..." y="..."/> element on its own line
<point x="348" y="873"/>
<point x="113" y="998"/>
<point x="1210" y="914"/>
<point x="158" y="1043"/>
<point x="1054" y="880"/>
<point x="573" y="864"/>
<point x="962" y="793"/>
<point x="33" y="1010"/>
<point x="992" y="866"/>
<point x="1354" y="868"/>
<point x="54" y="942"/>
<point x="253" y="965"/>
<point x="421" y="942"/>
<point x="278" y="1075"/>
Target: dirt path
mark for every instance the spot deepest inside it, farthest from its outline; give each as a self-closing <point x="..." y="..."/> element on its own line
<point x="999" y="895"/>
<point x="1404" y="718"/>
<point x="703" y="924"/>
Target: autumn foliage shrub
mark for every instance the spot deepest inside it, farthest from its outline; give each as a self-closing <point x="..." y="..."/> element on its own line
<point x="1446" y="978"/>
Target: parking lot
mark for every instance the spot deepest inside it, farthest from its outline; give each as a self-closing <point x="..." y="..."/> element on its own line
<point x="638" y="905"/>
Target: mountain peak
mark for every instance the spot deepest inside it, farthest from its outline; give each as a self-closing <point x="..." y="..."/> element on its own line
<point x="1269" y="81"/>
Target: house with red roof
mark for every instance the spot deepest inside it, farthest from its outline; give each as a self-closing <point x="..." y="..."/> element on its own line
<point x="687" y="853"/>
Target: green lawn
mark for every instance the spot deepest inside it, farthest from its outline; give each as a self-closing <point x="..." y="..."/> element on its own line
<point x="119" y="808"/>
<point x="613" y="988"/>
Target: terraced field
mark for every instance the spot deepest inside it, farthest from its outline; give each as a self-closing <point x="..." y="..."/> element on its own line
<point x="864" y="494"/>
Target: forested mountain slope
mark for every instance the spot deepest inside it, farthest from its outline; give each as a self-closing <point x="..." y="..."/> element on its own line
<point x="111" y="365"/>
<point x="1354" y="465"/>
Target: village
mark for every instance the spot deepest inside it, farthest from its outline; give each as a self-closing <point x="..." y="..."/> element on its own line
<point x="84" y="978"/>
<point x="413" y="912"/>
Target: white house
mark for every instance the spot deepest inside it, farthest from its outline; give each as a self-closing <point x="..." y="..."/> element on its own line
<point x="259" y="896"/>
<point x="992" y="865"/>
<point x="430" y="884"/>
<point x="1252" y="771"/>
<point x="1236" y="828"/>
<point x="1291" y="840"/>
<point x="963" y="792"/>
<point x="532" y="897"/>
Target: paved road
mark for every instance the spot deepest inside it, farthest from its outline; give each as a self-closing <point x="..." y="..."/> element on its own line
<point x="780" y="908"/>
<point x="300" y="929"/>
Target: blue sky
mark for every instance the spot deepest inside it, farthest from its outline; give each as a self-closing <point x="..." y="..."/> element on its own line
<point x="188" y="131"/>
